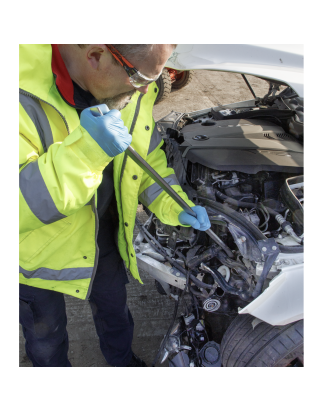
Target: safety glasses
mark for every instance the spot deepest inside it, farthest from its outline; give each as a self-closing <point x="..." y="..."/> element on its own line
<point x="136" y="78"/>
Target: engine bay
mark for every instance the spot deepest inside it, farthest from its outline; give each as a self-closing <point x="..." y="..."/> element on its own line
<point x="244" y="164"/>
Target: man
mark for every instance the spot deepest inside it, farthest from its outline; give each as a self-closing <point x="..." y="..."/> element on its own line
<point x="78" y="188"/>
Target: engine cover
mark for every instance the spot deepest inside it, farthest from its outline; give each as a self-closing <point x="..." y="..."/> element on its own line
<point x="248" y="146"/>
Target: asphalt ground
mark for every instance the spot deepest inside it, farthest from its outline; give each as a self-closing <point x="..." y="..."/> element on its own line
<point x="151" y="311"/>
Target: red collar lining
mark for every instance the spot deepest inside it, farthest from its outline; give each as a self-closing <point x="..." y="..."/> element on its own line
<point x="63" y="80"/>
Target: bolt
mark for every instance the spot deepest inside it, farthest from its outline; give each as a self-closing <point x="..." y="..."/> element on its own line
<point x="274" y="248"/>
<point x="177" y="274"/>
<point x="243" y="239"/>
<point x="264" y="249"/>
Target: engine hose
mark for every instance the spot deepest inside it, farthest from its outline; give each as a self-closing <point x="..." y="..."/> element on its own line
<point x="244" y="204"/>
<point x="205" y="256"/>
<point x="228" y="261"/>
<point x="236" y="218"/>
<point x="200" y="284"/>
<point x="195" y="293"/>
<point x="244" y="295"/>
<point x="238" y="267"/>
<point x="271" y="211"/>
<point x="232" y="201"/>
<point x="291" y="249"/>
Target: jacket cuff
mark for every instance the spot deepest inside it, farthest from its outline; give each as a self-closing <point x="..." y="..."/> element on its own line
<point x="177" y="209"/>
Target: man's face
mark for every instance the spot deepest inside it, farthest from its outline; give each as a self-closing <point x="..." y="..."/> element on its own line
<point x="109" y="83"/>
<point x="118" y="102"/>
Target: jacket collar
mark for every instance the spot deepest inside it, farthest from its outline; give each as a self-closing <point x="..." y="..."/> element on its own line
<point x="70" y="91"/>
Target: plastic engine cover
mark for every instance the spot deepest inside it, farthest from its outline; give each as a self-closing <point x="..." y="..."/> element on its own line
<point x="248" y="146"/>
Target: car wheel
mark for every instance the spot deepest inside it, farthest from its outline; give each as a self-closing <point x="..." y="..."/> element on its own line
<point x="182" y="79"/>
<point x="250" y="343"/>
<point x="164" y="84"/>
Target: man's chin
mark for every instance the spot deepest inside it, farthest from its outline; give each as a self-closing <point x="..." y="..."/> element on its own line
<point x="118" y="102"/>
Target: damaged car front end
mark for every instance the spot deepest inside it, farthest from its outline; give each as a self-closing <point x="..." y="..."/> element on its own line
<point x="241" y="296"/>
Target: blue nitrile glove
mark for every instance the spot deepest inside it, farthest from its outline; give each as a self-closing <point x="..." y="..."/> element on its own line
<point x="201" y="222"/>
<point x="108" y="130"/>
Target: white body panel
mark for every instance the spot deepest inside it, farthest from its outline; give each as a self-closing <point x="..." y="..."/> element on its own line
<point x="277" y="62"/>
<point x="282" y="302"/>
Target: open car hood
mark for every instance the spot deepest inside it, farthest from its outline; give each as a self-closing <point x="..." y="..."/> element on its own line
<point x="281" y="63"/>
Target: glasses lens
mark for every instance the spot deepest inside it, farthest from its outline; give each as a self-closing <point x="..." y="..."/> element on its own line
<point x="139" y="80"/>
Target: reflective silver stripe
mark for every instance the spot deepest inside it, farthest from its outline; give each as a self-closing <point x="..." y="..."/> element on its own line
<point x="153" y="191"/>
<point x="36" y="194"/>
<point x="39" y="118"/>
<point x="155" y="140"/>
<point x="67" y="274"/>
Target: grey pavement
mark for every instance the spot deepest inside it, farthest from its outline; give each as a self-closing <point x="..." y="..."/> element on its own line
<point x="151" y="311"/>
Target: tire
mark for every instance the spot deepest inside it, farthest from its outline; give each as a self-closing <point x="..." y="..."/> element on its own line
<point x="183" y="79"/>
<point x="164" y="84"/>
<point x="262" y="346"/>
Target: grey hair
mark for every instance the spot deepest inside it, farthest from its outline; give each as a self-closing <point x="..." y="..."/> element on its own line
<point x="139" y="51"/>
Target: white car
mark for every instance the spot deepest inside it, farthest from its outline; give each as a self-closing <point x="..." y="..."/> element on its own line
<point x="242" y="292"/>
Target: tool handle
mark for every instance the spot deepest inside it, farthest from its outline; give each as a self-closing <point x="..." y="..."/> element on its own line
<point x="132" y="153"/>
<point x="96" y="111"/>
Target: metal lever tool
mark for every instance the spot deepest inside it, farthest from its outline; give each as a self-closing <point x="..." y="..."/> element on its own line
<point x="132" y="153"/>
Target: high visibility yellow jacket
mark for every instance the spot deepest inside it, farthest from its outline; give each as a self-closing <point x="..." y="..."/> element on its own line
<point x="60" y="169"/>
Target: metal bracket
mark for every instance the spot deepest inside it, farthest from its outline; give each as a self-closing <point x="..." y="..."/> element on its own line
<point x="161" y="272"/>
<point x="268" y="247"/>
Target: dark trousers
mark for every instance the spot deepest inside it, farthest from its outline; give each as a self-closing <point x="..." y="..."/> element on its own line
<point x="43" y="316"/>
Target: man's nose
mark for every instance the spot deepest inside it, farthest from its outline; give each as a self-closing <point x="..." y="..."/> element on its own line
<point x="143" y="89"/>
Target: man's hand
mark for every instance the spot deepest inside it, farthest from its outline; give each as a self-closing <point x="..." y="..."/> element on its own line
<point x="108" y="130"/>
<point x="201" y="222"/>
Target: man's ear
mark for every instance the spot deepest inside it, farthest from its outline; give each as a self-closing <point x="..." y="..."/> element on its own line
<point x="94" y="55"/>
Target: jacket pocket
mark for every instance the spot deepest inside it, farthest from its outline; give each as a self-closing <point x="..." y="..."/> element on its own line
<point x="36" y="241"/>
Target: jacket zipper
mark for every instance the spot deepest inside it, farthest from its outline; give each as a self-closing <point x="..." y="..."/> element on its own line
<point x="121" y="175"/>
<point x="96" y="258"/>
<point x="124" y="166"/>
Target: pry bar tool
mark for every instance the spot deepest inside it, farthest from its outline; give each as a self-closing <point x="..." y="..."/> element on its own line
<point x="132" y="153"/>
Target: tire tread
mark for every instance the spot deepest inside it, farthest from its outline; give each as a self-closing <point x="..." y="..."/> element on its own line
<point x="165" y="86"/>
<point x="245" y="346"/>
